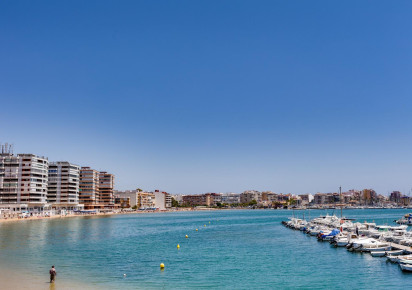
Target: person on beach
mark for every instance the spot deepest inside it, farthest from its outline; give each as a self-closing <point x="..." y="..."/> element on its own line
<point x="53" y="274"/>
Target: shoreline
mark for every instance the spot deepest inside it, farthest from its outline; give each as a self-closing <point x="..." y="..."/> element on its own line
<point x="11" y="220"/>
<point x="12" y="278"/>
<point x="7" y="220"/>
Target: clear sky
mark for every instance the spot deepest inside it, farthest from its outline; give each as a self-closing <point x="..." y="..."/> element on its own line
<point x="213" y="96"/>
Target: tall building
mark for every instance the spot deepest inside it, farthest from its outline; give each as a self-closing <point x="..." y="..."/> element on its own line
<point x="369" y="196"/>
<point x="23" y="181"/>
<point x="89" y="193"/>
<point x="63" y="188"/>
<point x="163" y="200"/>
<point x="106" y="185"/>
<point x="395" y="196"/>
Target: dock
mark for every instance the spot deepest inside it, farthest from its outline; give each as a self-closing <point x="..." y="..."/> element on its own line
<point x="401" y="247"/>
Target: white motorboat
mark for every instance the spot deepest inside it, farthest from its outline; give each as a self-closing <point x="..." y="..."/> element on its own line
<point x="357" y="244"/>
<point x="398" y="258"/>
<point x="406" y="267"/>
<point x="386" y="253"/>
<point x="378" y="254"/>
<point x="377" y="247"/>
<point x="405" y="220"/>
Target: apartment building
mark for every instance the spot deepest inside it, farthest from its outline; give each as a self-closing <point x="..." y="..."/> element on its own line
<point x="230" y="198"/>
<point x="89" y="193"/>
<point x="106" y="185"/>
<point x="63" y="186"/>
<point x="23" y="181"/>
<point x="250" y="195"/>
<point x="131" y="195"/>
<point x="123" y="202"/>
<point x="269" y="196"/>
<point x="163" y="200"/>
<point x="197" y="199"/>
<point x="146" y="200"/>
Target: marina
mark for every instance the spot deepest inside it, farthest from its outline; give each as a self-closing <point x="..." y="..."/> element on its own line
<point x="393" y="242"/>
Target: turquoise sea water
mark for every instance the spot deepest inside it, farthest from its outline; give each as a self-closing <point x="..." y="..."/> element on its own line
<point x="239" y="249"/>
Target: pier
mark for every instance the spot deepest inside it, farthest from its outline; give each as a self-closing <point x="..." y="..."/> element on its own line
<point x="407" y="249"/>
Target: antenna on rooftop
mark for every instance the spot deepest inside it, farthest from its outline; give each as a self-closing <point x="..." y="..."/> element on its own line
<point x="6" y="148"/>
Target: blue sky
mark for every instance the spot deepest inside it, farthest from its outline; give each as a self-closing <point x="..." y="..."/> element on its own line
<point x="213" y="96"/>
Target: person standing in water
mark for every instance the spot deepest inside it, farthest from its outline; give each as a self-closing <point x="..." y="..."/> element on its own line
<point x="53" y="274"/>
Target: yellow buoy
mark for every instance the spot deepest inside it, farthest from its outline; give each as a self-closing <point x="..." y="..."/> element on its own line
<point x="178" y="246"/>
<point x="209" y="222"/>
<point x="196" y="230"/>
<point x="186" y="236"/>
<point x="204" y="225"/>
<point x="162" y="266"/>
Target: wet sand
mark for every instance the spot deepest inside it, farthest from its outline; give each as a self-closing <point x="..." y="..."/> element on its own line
<point x="19" y="279"/>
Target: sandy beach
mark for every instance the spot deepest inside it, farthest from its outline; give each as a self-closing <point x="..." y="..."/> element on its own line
<point x="6" y="220"/>
<point x="20" y="279"/>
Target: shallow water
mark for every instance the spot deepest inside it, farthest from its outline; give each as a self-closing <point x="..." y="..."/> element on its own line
<point x="239" y="249"/>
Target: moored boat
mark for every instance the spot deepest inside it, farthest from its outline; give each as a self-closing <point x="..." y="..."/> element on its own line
<point x="406" y="267"/>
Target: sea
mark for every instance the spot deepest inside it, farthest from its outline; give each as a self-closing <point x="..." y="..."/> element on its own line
<point x="231" y="249"/>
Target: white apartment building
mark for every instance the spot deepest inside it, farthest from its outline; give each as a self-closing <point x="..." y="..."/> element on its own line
<point x="23" y="182"/>
<point x="133" y="196"/>
<point x="230" y="198"/>
<point x="63" y="188"/>
<point x="162" y="200"/>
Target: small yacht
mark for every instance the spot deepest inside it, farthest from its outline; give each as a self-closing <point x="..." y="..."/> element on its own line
<point x="405" y="220"/>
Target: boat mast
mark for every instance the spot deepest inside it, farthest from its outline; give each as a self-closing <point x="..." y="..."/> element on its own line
<point x="340" y="197"/>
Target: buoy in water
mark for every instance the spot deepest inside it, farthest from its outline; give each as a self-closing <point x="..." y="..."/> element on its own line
<point x="178" y="246"/>
<point x="186" y="236"/>
<point x="204" y="225"/>
<point x="196" y="230"/>
<point x="162" y="266"/>
<point x="209" y="222"/>
<point x="124" y="275"/>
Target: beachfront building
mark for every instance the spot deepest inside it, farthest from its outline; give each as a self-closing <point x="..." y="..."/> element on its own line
<point x="177" y="197"/>
<point x="123" y="202"/>
<point x="396" y="196"/>
<point x="197" y="200"/>
<point x="269" y="196"/>
<point x="306" y="199"/>
<point x="106" y="184"/>
<point x="206" y="199"/>
<point x="131" y="195"/>
<point x="23" y="182"/>
<point x="63" y="186"/>
<point x="230" y="198"/>
<point x="146" y="200"/>
<point x="163" y="200"/>
<point x="250" y="195"/>
<point x="326" y="198"/>
<point x="96" y="189"/>
<point x="216" y="198"/>
<point x="369" y="196"/>
<point x="89" y="193"/>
